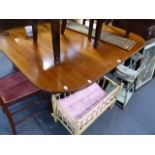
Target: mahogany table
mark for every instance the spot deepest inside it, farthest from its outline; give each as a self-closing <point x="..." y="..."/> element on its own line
<point x="80" y="64"/>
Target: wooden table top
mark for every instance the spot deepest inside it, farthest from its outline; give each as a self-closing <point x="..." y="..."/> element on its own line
<point x="81" y="63"/>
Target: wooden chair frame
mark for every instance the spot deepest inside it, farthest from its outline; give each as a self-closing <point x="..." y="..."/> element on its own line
<point x="9" y="115"/>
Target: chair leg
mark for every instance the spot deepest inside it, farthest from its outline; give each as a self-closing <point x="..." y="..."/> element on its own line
<point x="3" y="110"/>
<point x="14" y="67"/>
<point x="91" y="23"/>
<point x="63" y="26"/>
<point x="9" y="117"/>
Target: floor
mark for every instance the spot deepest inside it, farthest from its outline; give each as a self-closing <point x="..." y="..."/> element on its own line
<point x="137" y="119"/>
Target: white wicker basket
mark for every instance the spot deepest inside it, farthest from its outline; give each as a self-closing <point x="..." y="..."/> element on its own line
<point x="77" y="126"/>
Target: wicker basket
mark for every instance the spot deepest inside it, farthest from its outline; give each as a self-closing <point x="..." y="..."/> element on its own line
<point x="90" y="110"/>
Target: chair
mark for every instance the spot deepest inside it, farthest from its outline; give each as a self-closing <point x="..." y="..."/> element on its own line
<point x="129" y="77"/>
<point x="13" y="89"/>
<point x="128" y="73"/>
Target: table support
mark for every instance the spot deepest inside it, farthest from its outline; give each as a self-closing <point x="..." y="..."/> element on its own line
<point x="98" y="32"/>
<point x="55" y="30"/>
<point x="91" y="23"/>
<point x="63" y="26"/>
<point x="34" y="30"/>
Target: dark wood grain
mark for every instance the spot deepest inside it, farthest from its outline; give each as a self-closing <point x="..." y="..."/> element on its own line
<point x="55" y="33"/>
<point x="63" y="25"/>
<point x="34" y="30"/>
<point x="98" y="32"/>
<point x="84" y="21"/>
<point x="91" y="23"/>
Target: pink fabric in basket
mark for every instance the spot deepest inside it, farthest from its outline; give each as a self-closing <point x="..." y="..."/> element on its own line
<point x="79" y="103"/>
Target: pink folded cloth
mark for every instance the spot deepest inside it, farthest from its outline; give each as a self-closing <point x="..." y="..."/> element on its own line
<point x="78" y="104"/>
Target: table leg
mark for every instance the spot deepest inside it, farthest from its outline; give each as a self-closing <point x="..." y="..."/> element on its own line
<point x="127" y="34"/>
<point x="91" y="23"/>
<point x="84" y="21"/>
<point x="63" y="26"/>
<point x="34" y="30"/>
<point x="55" y="30"/>
<point x="98" y="32"/>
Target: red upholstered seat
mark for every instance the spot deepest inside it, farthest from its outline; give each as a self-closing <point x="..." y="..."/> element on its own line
<point x="15" y="87"/>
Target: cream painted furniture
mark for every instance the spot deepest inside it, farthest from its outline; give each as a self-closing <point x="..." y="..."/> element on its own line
<point x="77" y="111"/>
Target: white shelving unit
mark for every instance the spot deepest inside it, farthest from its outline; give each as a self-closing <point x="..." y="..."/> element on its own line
<point x="148" y="64"/>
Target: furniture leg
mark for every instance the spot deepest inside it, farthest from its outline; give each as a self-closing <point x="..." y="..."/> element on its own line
<point x="34" y="29"/>
<point x="3" y="109"/>
<point x="55" y="30"/>
<point x="153" y="74"/>
<point x="127" y="34"/>
<point x="54" y="105"/>
<point x="91" y="23"/>
<point x="9" y="117"/>
<point x="112" y="105"/>
<point x="129" y="85"/>
<point x="84" y="21"/>
<point x="63" y="25"/>
<point x="14" y="67"/>
<point x="98" y="32"/>
<point x="48" y="100"/>
<point x="108" y="21"/>
<point x="135" y="83"/>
